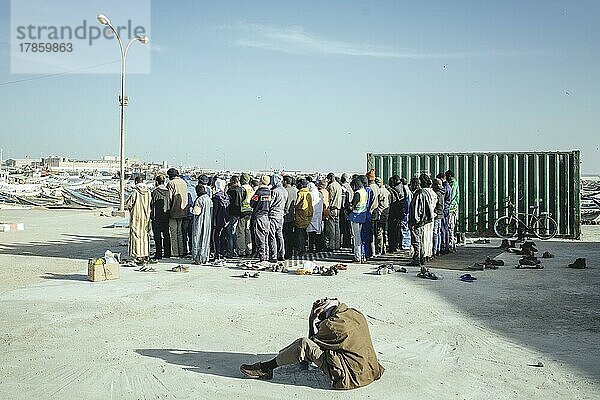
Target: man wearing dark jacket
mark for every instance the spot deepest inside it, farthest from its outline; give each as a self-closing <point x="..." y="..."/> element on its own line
<point x="159" y="215"/>
<point x="419" y="215"/>
<point x="276" y="214"/>
<point x="178" y="203"/>
<point x="261" y="205"/>
<point x="339" y="343"/>
<point x="236" y="195"/>
<point x="288" y="219"/>
<point x="396" y="214"/>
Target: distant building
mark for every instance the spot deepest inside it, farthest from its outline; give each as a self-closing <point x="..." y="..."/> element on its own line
<point x="20" y="163"/>
<point x="66" y="164"/>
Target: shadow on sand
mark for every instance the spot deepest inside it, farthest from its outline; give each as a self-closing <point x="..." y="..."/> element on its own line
<point x="67" y="277"/>
<point x="227" y="364"/>
<point x="68" y="246"/>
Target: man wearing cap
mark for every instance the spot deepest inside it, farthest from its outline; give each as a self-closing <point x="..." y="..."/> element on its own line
<point x="339" y="343"/>
<point x="178" y="202"/>
<point x="261" y="205"/>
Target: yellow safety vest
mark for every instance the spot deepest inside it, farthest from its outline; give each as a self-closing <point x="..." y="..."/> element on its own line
<point x="246" y="203"/>
<point x="361" y="206"/>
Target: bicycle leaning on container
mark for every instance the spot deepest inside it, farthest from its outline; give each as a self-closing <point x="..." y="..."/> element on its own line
<point x="541" y="224"/>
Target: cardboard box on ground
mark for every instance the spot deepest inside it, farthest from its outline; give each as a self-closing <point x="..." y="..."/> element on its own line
<point x="105" y="268"/>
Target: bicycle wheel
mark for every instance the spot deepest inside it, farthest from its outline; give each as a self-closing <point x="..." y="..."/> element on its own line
<point x="545" y="227"/>
<point x="505" y="227"/>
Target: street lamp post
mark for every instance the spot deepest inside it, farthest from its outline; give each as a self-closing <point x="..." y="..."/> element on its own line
<point x="103" y="19"/>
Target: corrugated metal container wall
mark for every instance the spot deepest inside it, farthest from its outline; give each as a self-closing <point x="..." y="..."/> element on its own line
<point x="550" y="179"/>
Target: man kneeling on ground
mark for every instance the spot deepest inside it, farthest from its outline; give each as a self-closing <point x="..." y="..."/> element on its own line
<point x="339" y="344"/>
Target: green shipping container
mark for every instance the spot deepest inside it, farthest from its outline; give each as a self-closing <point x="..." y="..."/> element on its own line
<point x="550" y="179"/>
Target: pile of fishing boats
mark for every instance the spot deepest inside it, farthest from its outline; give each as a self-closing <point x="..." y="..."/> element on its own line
<point x="590" y="201"/>
<point x="58" y="191"/>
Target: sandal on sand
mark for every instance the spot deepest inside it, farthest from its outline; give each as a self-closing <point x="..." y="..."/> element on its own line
<point x="490" y="261"/>
<point x="341" y="267"/>
<point x="426" y="274"/>
<point x="301" y="271"/>
<point x="180" y="268"/>
<point x="246" y="265"/>
<point x="401" y="269"/>
<point x="384" y="270"/>
<point x="521" y="266"/>
<point x="330" y="271"/>
<point x="145" y="269"/>
<point x="467" y="278"/>
<point x="529" y="261"/>
<point x="476" y="267"/>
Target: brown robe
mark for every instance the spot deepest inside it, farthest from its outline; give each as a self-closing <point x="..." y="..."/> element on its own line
<point x="350" y="360"/>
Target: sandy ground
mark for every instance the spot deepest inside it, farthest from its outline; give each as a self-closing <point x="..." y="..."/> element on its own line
<point x="172" y="335"/>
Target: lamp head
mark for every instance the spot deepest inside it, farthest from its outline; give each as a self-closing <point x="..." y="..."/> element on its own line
<point x="103" y="19"/>
<point x="143" y="39"/>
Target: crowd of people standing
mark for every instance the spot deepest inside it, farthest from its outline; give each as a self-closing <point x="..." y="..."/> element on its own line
<point x="276" y="217"/>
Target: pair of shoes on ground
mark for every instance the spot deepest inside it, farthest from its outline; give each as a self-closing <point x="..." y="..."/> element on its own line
<point x="467" y="278"/>
<point x="385" y="269"/>
<point x="249" y="275"/>
<point x="489" y="263"/>
<point x="277" y="267"/>
<point x="303" y="271"/>
<point x="180" y="268"/>
<point x="330" y="271"/>
<point x="249" y="265"/>
<point x="341" y="267"/>
<point x="529" y="262"/>
<point x="220" y="262"/>
<point x="389" y="268"/>
<point x="145" y="268"/>
<point x="325" y="271"/>
<point x="426" y="274"/>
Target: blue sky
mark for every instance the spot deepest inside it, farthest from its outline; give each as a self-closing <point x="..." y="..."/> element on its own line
<point x="316" y="85"/>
